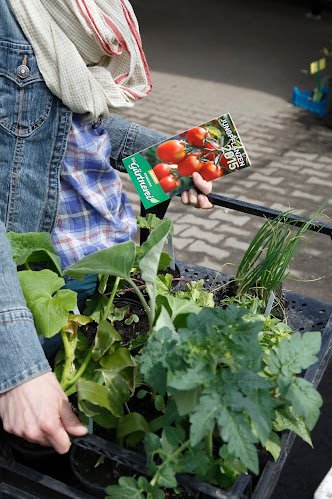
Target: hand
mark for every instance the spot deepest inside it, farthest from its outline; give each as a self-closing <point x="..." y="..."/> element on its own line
<point x="198" y="200"/>
<point x="39" y="411"/>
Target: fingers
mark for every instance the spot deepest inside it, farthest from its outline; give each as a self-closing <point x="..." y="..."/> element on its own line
<point x="39" y="411"/>
<point x="194" y="199"/>
<point x="71" y="423"/>
<point x="201" y="184"/>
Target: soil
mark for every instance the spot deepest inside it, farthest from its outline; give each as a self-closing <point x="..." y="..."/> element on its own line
<point x="102" y="473"/>
<point x="127" y="332"/>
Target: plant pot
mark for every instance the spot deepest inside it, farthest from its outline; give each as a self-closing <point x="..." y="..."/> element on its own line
<point x="304" y="99"/>
<point x="38" y="457"/>
<point x="82" y="463"/>
<point x="135" y="464"/>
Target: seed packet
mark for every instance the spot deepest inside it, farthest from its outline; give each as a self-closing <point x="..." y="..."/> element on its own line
<point x="214" y="149"/>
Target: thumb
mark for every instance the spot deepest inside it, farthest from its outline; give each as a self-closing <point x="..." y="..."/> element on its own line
<point x="71" y="423"/>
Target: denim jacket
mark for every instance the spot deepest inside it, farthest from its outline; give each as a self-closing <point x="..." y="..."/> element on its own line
<point x="34" y="127"/>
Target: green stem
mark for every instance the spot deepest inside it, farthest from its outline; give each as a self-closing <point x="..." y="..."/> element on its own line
<point x="110" y="301"/>
<point x="146" y="307"/>
<point x="208" y="443"/>
<point x="170" y="457"/>
<point x="27" y="266"/>
<point x="68" y="359"/>
<point x="79" y="372"/>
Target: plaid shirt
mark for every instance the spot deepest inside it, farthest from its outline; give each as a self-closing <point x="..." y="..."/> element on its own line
<point x="94" y="212"/>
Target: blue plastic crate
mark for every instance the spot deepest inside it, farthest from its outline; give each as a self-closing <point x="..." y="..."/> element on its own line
<point x="304" y="99"/>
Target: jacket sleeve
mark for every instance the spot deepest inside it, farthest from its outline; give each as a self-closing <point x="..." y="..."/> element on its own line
<point x="128" y="138"/>
<point x="21" y="354"/>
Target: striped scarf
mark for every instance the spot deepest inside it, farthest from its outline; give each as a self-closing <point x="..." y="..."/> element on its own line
<point x="89" y="52"/>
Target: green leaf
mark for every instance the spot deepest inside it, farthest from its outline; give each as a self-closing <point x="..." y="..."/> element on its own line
<point x="128" y="488"/>
<point x="163" y="320"/>
<point x="164" y="284"/>
<point x="295" y="354"/>
<point x="177" y="307"/>
<point x="305" y="400"/>
<point x="99" y="414"/>
<point x="167" y="476"/>
<point x="95" y="307"/>
<point x="195" y="292"/>
<point x="149" y="259"/>
<point x="106" y="335"/>
<point x="151" y="221"/>
<point x="186" y="400"/>
<point x="131" y="319"/>
<point x="164" y="261"/>
<point x="173" y="435"/>
<point x="273" y="445"/>
<point x="193" y="460"/>
<point x="159" y="402"/>
<point x="117" y="261"/>
<point x="34" y="247"/>
<point x="151" y="446"/>
<point x="260" y="407"/>
<point x="50" y="313"/>
<point x="235" y="430"/>
<point x="153" y="354"/>
<point x="203" y="418"/>
<point x="118" y="360"/>
<point x="122" y="362"/>
<point x="287" y="419"/>
<point x="190" y="378"/>
<point x="153" y="492"/>
<point x="111" y="397"/>
<point x="131" y="423"/>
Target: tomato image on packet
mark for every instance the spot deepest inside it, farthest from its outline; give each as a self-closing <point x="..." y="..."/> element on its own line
<point x="213" y="149"/>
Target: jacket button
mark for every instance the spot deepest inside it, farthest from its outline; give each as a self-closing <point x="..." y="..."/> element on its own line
<point x="23" y="71"/>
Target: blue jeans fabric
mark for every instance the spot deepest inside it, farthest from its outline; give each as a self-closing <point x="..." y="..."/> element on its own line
<point x="128" y="138"/>
<point x="34" y="127"/>
<point x="21" y="355"/>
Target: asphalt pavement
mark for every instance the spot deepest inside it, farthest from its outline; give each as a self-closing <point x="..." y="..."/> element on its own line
<point x="208" y="58"/>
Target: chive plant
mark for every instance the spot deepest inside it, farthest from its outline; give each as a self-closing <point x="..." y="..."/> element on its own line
<point x="266" y="263"/>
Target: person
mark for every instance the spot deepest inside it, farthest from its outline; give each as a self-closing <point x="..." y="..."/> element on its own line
<point x="49" y="109"/>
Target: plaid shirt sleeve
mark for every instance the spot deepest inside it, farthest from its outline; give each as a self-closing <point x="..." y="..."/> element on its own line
<point x="94" y="212"/>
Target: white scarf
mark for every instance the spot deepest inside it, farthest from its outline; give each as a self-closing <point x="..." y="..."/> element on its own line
<point x="89" y="52"/>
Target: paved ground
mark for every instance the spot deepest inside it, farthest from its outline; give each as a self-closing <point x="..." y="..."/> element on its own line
<point x="245" y="58"/>
<point x="290" y="149"/>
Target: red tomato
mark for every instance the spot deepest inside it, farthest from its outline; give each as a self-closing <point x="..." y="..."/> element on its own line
<point x="196" y="136"/>
<point x="223" y="161"/>
<point x="210" y="171"/>
<point x="227" y="163"/>
<point x="169" y="183"/>
<point x="162" y="169"/>
<point x="171" y="151"/>
<point x="190" y="164"/>
<point x="211" y="146"/>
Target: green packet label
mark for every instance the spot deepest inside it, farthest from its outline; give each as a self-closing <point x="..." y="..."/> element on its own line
<point x="213" y="149"/>
<point x="145" y="180"/>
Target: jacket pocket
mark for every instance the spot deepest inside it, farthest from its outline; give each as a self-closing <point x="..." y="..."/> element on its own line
<point x="25" y="101"/>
